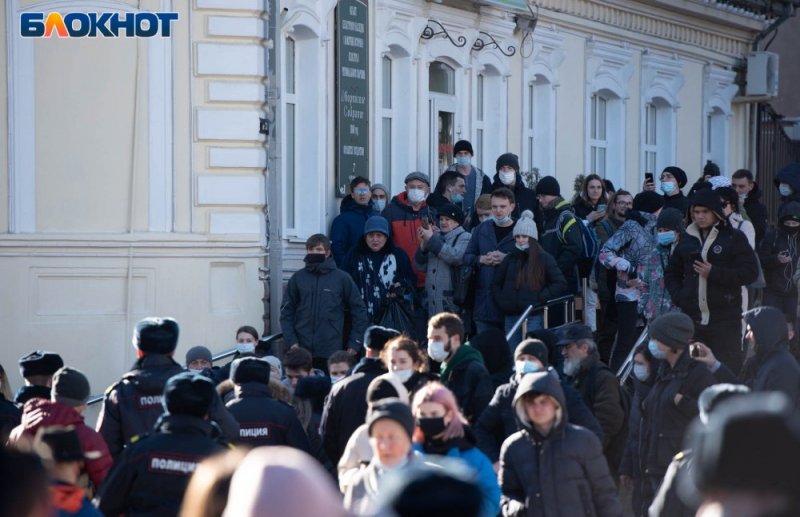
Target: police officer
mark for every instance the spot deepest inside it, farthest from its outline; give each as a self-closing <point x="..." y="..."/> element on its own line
<point x="37" y="368"/>
<point x="132" y="405"/>
<point x="262" y="419"/>
<point x="151" y="475"/>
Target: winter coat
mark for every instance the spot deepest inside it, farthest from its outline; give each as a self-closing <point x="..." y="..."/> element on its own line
<point x="524" y="198"/>
<point x="631" y="464"/>
<point x="466" y="376"/>
<point x="464" y="449"/>
<point x="26" y="393"/>
<point x="606" y="278"/>
<point x="70" y="501"/>
<point x="777" y="275"/>
<point x="346" y="407"/>
<point x="404" y="222"/>
<point x="313" y="310"/>
<point x="477" y="183"/>
<point x="513" y="300"/>
<point x="664" y="423"/>
<point x="757" y="212"/>
<point x="773" y="368"/>
<point x="655" y="299"/>
<point x="790" y="175"/>
<point x="10" y="416"/>
<point x="635" y="241"/>
<point x="678" y="201"/>
<point x="264" y="420"/>
<point x="152" y="474"/>
<point x="566" y="252"/>
<point x="374" y="274"/>
<point x="442" y="253"/>
<point x="733" y="265"/>
<point x="667" y="502"/>
<point x="348" y="227"/>
<point x="483" y="241"/>
<point x="499" y="420"/>
<point x="361" y="496"/>
<point x="599" y="389"/>
<point x="39" y="413"/>
<point x="134" y="404"/>
<point x="561" y="474"/>
<point x="356" y="455"/>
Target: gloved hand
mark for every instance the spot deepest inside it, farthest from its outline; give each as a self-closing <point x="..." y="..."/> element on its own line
<point x="622" y="265"/>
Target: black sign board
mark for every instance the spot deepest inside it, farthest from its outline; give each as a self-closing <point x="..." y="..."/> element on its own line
<point x="352" y="93"/>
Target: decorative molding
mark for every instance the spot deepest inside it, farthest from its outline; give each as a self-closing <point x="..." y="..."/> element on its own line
<point x="661" y="77"/>
<point x="547" y="55"/>
<point x="719" y="89"/>
<point x="608" y="67"/>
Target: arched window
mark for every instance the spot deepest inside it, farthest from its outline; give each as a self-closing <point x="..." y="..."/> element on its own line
<point x="442" y="78"/>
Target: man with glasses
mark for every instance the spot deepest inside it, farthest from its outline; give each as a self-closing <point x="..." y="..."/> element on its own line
<point x="348" y="226"/>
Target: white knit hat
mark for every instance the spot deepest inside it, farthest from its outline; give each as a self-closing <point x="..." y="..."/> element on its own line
<point x="526" y="226"/>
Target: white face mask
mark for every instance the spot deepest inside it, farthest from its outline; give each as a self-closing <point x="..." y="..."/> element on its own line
<point x="522" y="247"/>
<point x="337" y="378"/>
<point x="380" y="204"/>
<point x="641" y="372"/>
<point x="507" y="178"/>
<point x="436" y="351"/>
<point x="403" y="375"/>
<point x="463" y="160"/>
<point x="416" y="195"/>
<point x="785" y="189"/>
<point x="523" y="367"/>
<point x="246" y="348"/>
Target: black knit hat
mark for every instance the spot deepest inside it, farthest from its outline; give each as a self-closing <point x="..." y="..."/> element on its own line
<point x="711" y="169"/>
<point x="463" y="145"/>
<point x="534" y="347"/>
<point x="70" y="386"/>
<point x="250" y="369"/>
<point x="709" y="199"/>
<point x="156" y="335"/>
<point x="674" y="329"/>
<point x="510" y="159"/>
<point x="198" y="352"/>
<point x="548" y="186"/>
<point x="648" y="201"/>
<point x="188" y="393"/>
<point x="376" y="336"/>
<point x="393" y="409"/>
<point x="680" y="176"/>
<point x="671" y="219"/>
<point x="40" y="362"/>
<point x="381" y="388"/>
<point x="453" y="212"/>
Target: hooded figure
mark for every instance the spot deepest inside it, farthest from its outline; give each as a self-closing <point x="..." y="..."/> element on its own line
<point x="779" y="255"/>
<point x="771" y="367"/>
<point x="787" y="181"/>
<point x="552" y="467"/>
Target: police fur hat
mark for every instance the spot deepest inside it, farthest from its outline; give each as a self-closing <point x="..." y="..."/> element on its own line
<point x="39" y="362"/>
<point x="375" y="337"/>
<point x="188" y="393"/>
<point x="250" y="369"/>
<point x="156" y="335"/>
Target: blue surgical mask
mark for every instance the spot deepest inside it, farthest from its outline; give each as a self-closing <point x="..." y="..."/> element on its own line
<point x="523" y="367"/>
<point x="666" y="238"/>
<point x="657" y="352"/>
<point x="437" y="351"/>
<point x="380" y="204"/>
<point x="785" y="189"/>
<point x="463" y="160"/>
<point x="523" y="247"/>
<point x="641" y="372"/>
<point x="503" y="220"/>
<point x="667" y="187"/>
<point x="458" y="197"/>
<point x="416" y="195"/>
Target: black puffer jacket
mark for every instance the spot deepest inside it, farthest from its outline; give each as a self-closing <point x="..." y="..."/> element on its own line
<point x="264" y="420"/>
<point x="733" y="265"/>
<point x="313" y="309"/>
<point x="132" y="405"/>
<point x="10" y="417"/>
<point x="773" y="368"/>
<point x="757" y="212"/>
<point x="664" y="423"/>
<point x="568" y="252"/>
<point x="524" y="198"/>
<point x="779" y="276"/>
<point x="151" y="475"/>
<point x="499" y="420"/>
<point x="513" y="300"/>
<point x="561" y="474"/>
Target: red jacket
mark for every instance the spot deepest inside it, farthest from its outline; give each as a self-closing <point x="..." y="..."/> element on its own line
<point x="404" y="222"/>
<point x="44" y="413"/>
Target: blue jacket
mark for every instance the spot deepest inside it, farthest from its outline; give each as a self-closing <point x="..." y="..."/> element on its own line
<point x="348" y="227"/>
<point x="483" y="241"/>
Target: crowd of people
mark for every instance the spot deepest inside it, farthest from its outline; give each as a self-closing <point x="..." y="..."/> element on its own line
<point x="420" y="376"/>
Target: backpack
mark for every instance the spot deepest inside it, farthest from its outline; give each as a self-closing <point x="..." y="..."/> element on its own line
<point x="591" y="244"/>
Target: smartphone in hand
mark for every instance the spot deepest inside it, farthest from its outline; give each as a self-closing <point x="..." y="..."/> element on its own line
<point x="648" y="177"/>
<point x="426" y="222"/>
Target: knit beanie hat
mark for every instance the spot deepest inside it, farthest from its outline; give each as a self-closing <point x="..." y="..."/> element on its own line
<point x="250" y="369"/>
<point x="70" y="387"/>
<point x="382" y="187"/>
<point x="526" y="226"/>
<point x="416" y="175"/>
<point x="377" y="223"/>
<point x="39" y="362"/>
<point x="386" y="386"/>
<point x="156" y="335"/>
<point x="548" y="186"/>
<point x="393" y="409"/>
<point x="711" y="169"/>
<point x="648" y="201"/>
<point x="673" y="329"/>
<point x="510" y="159"/>
<point x="679" y="175"/>
<point x="671" y="219"/>
<point x="188" y="393"/>
<point x="198" y="352"/>
<point x="534" y="347"/>
<point x="709" y="199"/>
<point x="463" y="145"/>
<point x="453" y="212"/>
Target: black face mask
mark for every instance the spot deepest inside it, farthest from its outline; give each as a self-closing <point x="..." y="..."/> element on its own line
<point x="791" y="229"/>
<point x="431" y="427"/>
<point x="314" y="258"/>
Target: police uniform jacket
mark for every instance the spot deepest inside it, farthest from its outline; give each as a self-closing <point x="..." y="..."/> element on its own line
<point x="264" y="420"/>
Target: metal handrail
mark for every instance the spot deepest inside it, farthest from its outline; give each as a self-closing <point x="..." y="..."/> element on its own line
<point x="625" y="370"/>
<point x="214" y="358"/>
<point x="568" y="301"/>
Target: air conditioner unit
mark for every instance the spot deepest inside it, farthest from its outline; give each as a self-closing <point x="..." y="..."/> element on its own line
<point x="762" y="74"/>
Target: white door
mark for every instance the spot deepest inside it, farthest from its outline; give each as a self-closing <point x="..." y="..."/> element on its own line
<point x="442" y="116"/>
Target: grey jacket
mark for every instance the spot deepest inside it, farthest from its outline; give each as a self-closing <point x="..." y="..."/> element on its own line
<point x="441" y="252"/>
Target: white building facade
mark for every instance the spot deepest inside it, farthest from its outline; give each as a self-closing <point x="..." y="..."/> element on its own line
<point x="137" y="181"/>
